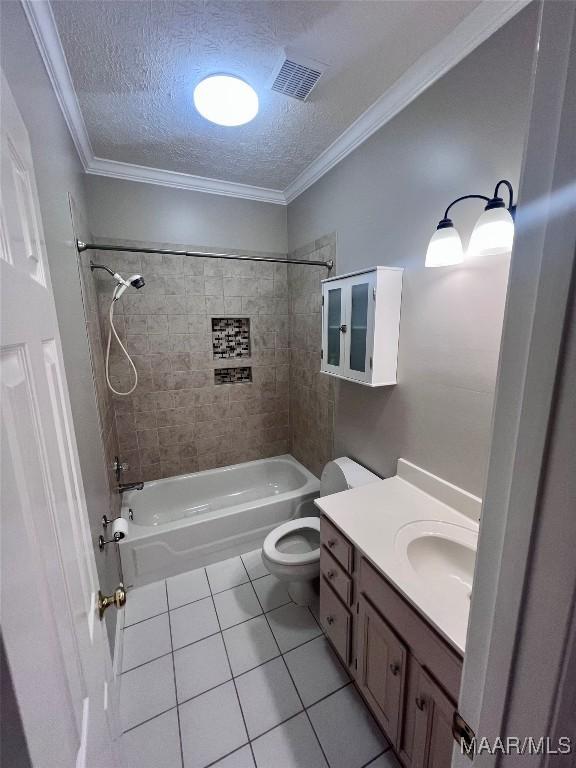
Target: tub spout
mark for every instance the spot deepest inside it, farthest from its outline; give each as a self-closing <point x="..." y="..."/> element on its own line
<point x="123" y="487"/>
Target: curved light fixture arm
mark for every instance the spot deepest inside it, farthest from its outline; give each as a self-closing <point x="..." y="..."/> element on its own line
<point x="464" y="197"/>
<point x="506" y="183"/>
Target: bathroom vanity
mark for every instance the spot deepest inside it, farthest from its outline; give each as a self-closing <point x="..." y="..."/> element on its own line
<point x="396" y="569"/>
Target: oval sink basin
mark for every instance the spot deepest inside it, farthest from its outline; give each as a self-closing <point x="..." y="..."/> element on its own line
<point x="441" y="554"/>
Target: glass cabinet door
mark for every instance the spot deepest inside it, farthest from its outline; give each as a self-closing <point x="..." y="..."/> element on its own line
<point x="333" y="330"/>
<point x="359" y="296"/>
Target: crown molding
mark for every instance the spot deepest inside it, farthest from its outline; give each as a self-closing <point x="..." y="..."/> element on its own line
<point x="43" y="25"/>
<point x="473" y="30"/>
<point x="115" y="169"/>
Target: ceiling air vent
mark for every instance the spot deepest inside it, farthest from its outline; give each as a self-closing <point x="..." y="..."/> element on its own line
<point x="296" y="76"/>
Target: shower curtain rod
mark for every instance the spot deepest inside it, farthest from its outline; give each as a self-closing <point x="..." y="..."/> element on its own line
<point x="166" y="252"/>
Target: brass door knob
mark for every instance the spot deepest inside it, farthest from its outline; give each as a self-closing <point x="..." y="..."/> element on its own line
<point x="118" y="598"/>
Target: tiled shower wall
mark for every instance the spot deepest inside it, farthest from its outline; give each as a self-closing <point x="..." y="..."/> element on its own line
<point x="103" y="395"/>
<point x="178" y="420"/>
<point x="311" y="392"/>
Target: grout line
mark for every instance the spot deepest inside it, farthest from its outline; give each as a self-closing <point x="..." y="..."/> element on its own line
<point x="230" y="665"/>
<point x="149" y="661"/>
<point x="175" y="686"/>
<point x="135" y="623"/>
<point x="295" y="687"/>
<point x="373" y="759"/>
<point x="164" y="711"/>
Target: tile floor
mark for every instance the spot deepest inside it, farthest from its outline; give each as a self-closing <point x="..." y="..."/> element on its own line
<point x="222" y="669"/>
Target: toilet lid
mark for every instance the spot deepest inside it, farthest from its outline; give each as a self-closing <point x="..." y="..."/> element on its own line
<point x="292" y="526"/>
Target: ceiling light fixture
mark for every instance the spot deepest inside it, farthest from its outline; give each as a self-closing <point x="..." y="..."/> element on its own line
<point x="493" y="233"/>
<point x="226" y="100"/>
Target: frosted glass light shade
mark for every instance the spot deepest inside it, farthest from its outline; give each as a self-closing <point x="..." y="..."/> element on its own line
<point x="493" y="233"/>
<point x="226" y="100"/>
<point x="444" y="248"/>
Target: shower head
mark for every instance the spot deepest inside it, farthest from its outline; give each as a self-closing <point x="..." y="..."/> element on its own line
<point x="136" y="281"/>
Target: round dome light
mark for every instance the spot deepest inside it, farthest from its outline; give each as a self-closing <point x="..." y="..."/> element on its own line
<point x="226" y="100"/>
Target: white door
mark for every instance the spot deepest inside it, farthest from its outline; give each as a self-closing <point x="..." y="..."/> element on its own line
<point x="55" y="644"/>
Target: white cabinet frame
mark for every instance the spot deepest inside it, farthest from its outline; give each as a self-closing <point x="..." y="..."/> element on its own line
<point x="382" y="321"/>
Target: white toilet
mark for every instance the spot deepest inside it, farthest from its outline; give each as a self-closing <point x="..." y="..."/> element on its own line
<point x="292" y="550"/>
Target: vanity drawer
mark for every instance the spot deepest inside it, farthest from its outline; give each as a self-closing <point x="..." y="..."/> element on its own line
<point x="336" y="620"/>
<point x="425" y="644"/>
<point x="335" y="576"/>
<point x="338" y="546"/>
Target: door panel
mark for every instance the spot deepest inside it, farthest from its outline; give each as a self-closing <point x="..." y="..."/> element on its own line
<point x="381" y="671"/>
<point x="55" y="646"/>
<point x="360" y="326"/>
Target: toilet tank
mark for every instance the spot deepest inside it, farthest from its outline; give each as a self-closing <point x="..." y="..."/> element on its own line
<point x="342" y="474"/>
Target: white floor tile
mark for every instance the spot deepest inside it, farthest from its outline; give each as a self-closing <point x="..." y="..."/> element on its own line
<point x="226" y="574"/>
<point x="193" y="622"/>
<point x="146" y="691"/>
<point x="387" y="760"/>
<point x="153" y="744"/>
<point x="254" y="564"/>
<point x="200" y="666"/>
<point x="146" y="641"/>
<point x="292" y="625"/>
<point x="242" y="758"/>
<point x="346" y="730"/>
<point x="271" y="592"/>
<point x="250" y="644"/>
<point x="292" y="745"/>
<point x="236" y="605"/>
<point x="187" y="587"/>
<point x="144" y="602"/>
<point x="267" y="697"/>
<point x="211" y="726"/>
<point x="316" y="670"/>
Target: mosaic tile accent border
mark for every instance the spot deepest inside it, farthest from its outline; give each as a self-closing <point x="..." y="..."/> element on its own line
<point x="232" y="375"/>
<point x="230" y="337"/>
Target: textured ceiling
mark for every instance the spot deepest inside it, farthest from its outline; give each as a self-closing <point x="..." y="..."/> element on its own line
<point x="135" y="64"/>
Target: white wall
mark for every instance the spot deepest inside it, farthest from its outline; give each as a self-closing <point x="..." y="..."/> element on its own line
<point x="58" y="173"/>
<point x="384" y="201"/>
<point x="134" y="210"/>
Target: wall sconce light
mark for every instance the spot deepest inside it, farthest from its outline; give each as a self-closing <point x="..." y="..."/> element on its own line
<point x="492" y="235"/>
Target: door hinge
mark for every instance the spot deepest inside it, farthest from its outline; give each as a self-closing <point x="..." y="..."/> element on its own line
<point x="370" y="363"/>
<point x="321" y="354"/>
<point x="463" y="735"/>
<point x="322" y="300"/>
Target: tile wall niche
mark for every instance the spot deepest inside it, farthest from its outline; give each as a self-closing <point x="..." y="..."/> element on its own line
<point x="312" y="394"/>
<point x="179" y="420"/>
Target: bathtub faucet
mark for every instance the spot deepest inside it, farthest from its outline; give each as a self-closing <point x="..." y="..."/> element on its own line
<point x="123" y="487"/>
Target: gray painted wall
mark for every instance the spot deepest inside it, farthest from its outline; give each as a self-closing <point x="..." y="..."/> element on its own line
<point x="58" y="173"/>
<point x="133" y="210"/>
<point x="384" y="201"/>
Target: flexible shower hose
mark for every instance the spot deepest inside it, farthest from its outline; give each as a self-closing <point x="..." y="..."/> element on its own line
<point x="111" y="331"/>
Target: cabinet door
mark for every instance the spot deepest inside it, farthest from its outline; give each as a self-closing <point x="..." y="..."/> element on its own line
<point x="333" y="327"/>
<point x="381" y="669"/>
<point x="359" y="322"/>
<point x="434" y="712"/>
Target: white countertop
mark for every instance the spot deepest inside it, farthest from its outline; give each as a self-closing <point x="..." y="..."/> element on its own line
<point x="371" y="517"/>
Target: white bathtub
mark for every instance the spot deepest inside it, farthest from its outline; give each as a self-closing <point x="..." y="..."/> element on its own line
<point x="189" y="521"/>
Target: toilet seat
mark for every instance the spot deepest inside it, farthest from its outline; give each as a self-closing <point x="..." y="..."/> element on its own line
<point x="292" y="526"/>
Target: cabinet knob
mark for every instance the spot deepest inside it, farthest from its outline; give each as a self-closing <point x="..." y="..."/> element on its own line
<point x="343" y="328"/>
<point x="395" y="669"/>
<point x="421" y="703"/>
<point x="331" y="543"/>
<point x="330" y="620"/>
<point x="331" y="574"/>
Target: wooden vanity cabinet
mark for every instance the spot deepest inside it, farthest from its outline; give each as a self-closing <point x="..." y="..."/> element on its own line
<point x="380" y="668"/>
<point x="407" y="674"/>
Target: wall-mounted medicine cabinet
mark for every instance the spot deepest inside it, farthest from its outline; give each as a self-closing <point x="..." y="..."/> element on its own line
<point x="360" y="325"/>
